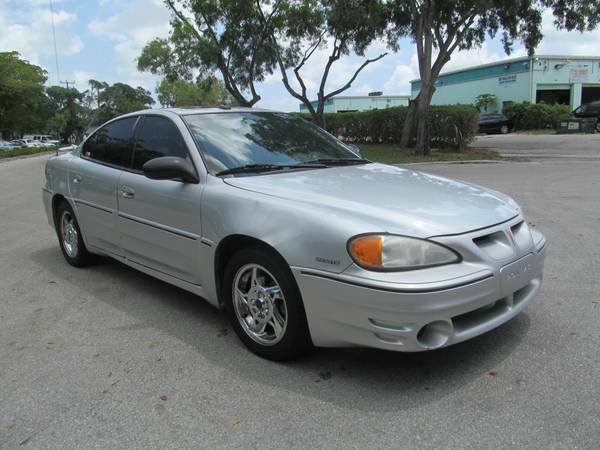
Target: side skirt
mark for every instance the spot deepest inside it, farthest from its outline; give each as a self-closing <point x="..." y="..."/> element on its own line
<point x="190" y="287"/>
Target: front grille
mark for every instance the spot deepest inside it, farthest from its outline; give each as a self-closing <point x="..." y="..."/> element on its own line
<point x="488" y="313"/>
<point x="475" y="318"/>
<point x="498" y="245"/>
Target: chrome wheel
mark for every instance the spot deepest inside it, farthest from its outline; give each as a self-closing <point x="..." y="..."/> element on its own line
<point x="259" y="304"/>
<point x="70" y="237"/>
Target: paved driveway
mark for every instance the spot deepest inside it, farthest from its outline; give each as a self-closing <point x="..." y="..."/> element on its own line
<point x="583" y="147"/>
<point x="111" y="358"/>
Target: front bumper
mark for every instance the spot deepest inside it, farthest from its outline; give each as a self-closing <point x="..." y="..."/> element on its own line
<point x="345" y="311"/>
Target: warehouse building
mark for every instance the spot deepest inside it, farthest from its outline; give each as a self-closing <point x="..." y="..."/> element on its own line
<point x="570" y="80"/>
<point x="353" y="103"/>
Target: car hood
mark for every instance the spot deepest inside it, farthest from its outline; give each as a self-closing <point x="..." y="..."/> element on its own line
<point x="389" y="198"/>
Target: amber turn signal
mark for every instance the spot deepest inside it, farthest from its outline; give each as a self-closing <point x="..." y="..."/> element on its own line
<point x="367" y="250"/>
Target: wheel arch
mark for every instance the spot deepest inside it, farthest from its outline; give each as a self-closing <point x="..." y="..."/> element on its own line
<point x="227" y="247"/>
<point x="57" y="199"/>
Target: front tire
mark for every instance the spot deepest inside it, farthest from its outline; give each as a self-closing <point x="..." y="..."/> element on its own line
<point x="264" y="305"/>
<point x="504" y="129"/>
<point x="70" y="239"/>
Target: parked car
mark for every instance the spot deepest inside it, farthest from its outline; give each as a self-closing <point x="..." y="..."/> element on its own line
<point x="494" y="123"/>
<point x="5" y="145"/>
<point x="43" y="138"/>
<point x="298" y="238"/>
<point x="28" y="143"/>
<point x="589" y="110"/>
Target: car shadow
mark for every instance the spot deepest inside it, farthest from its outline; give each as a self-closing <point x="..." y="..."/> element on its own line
<point x="353" y="378"/>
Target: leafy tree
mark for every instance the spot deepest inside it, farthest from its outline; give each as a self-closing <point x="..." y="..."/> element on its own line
<point x="484" y="101"/>
<point x="209" y="92"/>
<point x="69" y="113"/>
<point x="94" y="91"/>
<point x="344" y="26"/>
<point x="23" y="104"/>
<point x="208" y="36"/>
<point x="120" y="98"/>
<point x="441" y="27"/>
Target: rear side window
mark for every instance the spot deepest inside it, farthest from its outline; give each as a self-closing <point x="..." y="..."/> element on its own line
<point x="112" y="144"/>
<point x="156" y="137"/>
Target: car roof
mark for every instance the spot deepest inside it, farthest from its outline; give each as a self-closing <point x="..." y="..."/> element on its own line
<point x="189" y="110"/>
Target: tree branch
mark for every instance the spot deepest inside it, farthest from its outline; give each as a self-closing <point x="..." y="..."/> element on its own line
<point x="349" y="83"/>
<point x="221" y="64"/>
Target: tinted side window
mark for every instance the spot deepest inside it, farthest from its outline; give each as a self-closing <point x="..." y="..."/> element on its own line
<point x="157" y="137"/>
<point x="112" y="144"/>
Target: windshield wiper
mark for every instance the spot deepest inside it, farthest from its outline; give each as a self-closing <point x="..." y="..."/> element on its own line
<point x="249" y="168"/>
<point x="338" y="161"/>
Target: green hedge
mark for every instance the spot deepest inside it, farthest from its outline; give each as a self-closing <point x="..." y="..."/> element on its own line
<point x="20" y="151"/>
<point x="450" y="126"/>
<point x="529" y="116"/>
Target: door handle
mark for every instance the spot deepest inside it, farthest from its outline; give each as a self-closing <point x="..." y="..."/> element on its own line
<point x="76" y="179"/>
<point x="127" y="192"/>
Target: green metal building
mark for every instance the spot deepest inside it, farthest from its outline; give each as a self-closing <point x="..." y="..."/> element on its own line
<point x="353" y="103"/>
<point x="570" y="80"/>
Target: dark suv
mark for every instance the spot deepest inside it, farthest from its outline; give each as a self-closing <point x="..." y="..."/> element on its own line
<point x="589" y="110"/>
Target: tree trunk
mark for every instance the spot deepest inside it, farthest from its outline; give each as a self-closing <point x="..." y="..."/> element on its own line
<point x="319" y="119"/>
<point x="421" y="112"/>
<point x="409" y="124"/>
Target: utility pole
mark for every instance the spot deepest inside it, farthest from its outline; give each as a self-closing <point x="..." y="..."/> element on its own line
<point x="67" y="83"/>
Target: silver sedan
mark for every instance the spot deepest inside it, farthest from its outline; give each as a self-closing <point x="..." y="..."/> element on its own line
<point x="290" y="231"/>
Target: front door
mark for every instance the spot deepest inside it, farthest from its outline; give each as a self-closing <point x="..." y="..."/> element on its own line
<point x="93" y="181"/>
<point x="159" y="220"/>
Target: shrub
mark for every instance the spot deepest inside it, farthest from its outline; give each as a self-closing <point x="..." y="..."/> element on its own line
<point x="528" y="116"/>
<point x="449" y="126"/>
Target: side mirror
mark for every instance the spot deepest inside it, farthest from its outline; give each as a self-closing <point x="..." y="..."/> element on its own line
<point x="169" y="168"/>
<point x="354" y="149"/>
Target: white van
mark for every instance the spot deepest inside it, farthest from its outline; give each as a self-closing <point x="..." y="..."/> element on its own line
<point x="43" y="138"/>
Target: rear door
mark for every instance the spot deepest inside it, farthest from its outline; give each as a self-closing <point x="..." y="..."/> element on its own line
<point x="93" y="181"/>
<point x="159" y="220"/>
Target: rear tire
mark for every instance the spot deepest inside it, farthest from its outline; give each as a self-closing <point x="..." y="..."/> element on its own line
<point x="70" y="238"/>
<point x="264" y="305"/>
<point x="504" y="129"/>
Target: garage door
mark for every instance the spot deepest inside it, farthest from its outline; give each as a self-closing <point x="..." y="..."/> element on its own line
<point x="590" y="94"/>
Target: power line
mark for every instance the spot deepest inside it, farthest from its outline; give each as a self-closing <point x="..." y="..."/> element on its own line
<point x="54" y="40"/>
<point x="67" y="83"/>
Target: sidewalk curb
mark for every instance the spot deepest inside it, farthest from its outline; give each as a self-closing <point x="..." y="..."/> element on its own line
<point x="473" y="161"/>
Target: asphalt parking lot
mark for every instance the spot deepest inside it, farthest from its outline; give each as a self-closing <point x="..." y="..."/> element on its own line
<point x="526" y="147"/>
<point x="108" y="357"/>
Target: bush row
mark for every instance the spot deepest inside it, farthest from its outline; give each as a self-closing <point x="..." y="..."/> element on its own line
<point x="449" y="126"/>
<point x="528" y="116"/>
<point x="25" y="151"/>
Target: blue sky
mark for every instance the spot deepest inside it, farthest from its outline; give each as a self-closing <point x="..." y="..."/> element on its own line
<point x="100" y="39"/>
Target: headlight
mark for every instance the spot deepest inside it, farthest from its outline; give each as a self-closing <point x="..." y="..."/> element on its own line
<point x="386" y="252"/>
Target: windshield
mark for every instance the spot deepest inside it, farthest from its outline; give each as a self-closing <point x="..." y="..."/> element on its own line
<point x="235" y="139"/>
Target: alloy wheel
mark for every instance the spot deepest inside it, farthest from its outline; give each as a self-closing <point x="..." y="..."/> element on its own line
<point x="259" y="304"/>
<point x="70" y="238"/>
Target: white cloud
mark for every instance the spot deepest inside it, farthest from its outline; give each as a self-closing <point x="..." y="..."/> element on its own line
<point x="479" y="56"/>
<point x="81" y="78"/>
<point x="134" y="24"/>
<point x="42" y="2"/>
<point x="30" y="34"/>
<point x="560" y="42"/>
<point x="399" y="81"/>
<point x="45" y="16"/>
<point x="364" y="89"/>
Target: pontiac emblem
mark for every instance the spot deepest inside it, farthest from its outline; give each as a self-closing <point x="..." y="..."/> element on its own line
<point x="510" y="235"/>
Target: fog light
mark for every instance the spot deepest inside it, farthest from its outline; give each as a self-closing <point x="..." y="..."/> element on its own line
<point x="435" y="334"/>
